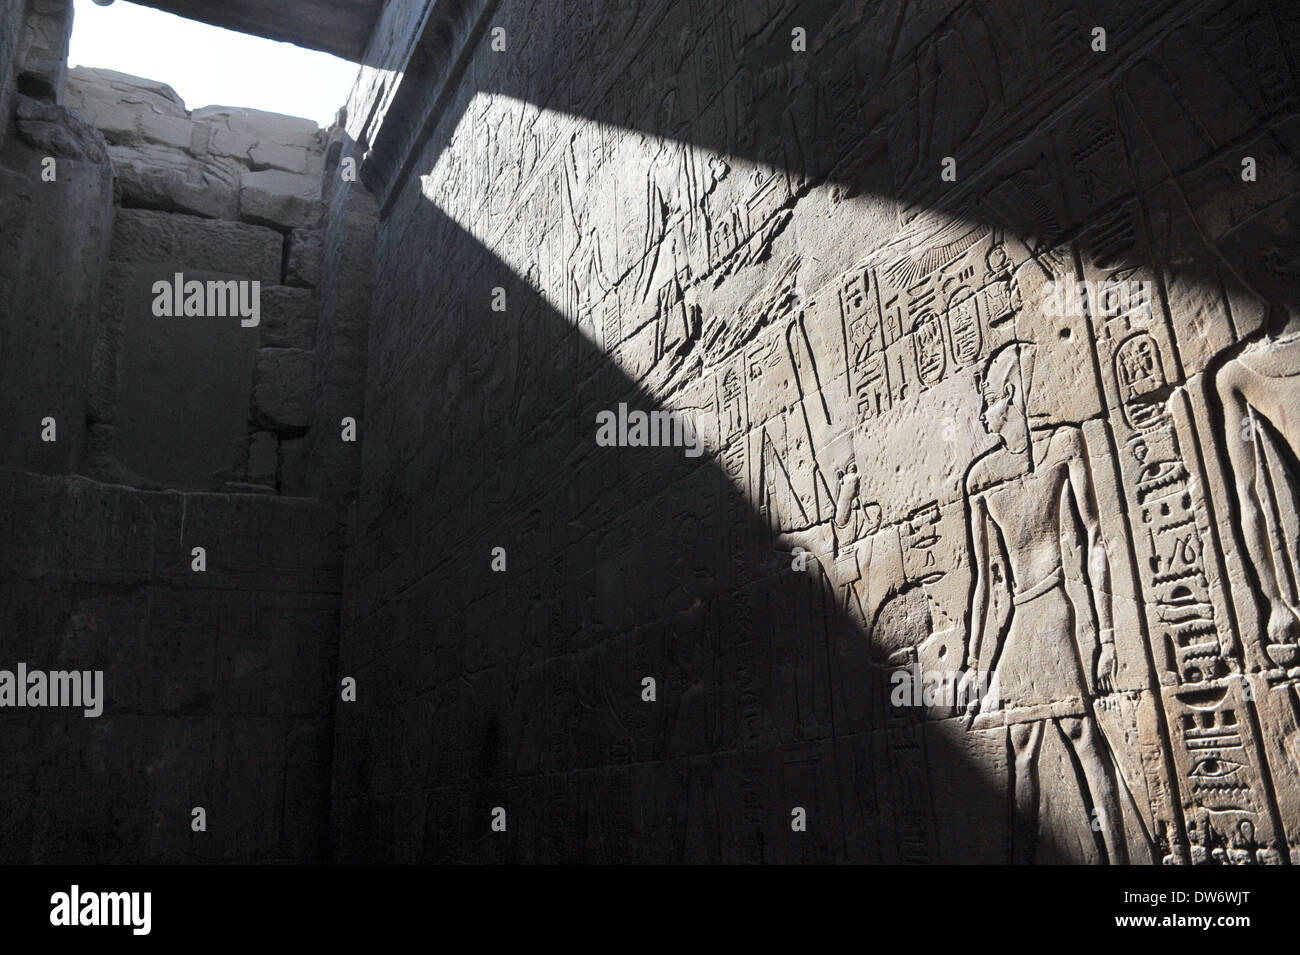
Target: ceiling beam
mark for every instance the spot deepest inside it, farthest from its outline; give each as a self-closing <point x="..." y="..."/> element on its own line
<point x="341" y="27"/>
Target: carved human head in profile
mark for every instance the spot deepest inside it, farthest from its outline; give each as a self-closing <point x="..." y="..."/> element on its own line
<point x="1004" y="387"/>
<point x="1264" y="251"/>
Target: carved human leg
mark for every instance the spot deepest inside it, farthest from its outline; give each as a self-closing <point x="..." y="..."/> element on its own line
<point x="1242" y="388"/>
<point x="1026" y="739"/>
<point x="1082" y="735"/>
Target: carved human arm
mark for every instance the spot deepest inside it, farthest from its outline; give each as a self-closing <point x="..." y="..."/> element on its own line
<point x="979" y="545"/>
<point x="816" y="542"/>
<point x="980" y="598"/>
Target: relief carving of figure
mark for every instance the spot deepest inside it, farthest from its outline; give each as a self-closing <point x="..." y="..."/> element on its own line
<point x="1017" y="496"/>
<point x="1261" y="385"/>
<point x="860" y="556"/>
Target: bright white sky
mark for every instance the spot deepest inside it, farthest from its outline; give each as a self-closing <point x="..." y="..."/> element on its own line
<point x="209" y="66"/>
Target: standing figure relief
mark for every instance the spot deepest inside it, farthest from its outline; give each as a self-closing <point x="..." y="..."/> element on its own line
<point x="1017" y="495"/>
<point x="1261" y="386"/>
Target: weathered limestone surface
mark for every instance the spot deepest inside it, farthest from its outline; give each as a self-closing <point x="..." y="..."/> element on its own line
<point x="263" y="459"/>
<point x="218" y="686"/>
<point x="43" y="49"/>
<point x="143" y="235"/>
<point x="11" y="28"/>
<point x="129" y="110"/>
<point x="332" y="466"/>
<point x="279" y="199"/>
<point x="282" y="390"/>
<point x="163" y="177"/>
<point x="180" y="413"/>
<point x="969" y="349"/>
<point x="289" y="316"/>
<point x="218" y="194"/>
<point x="304" y="259"/>
<point x="56" y="210"/>
<point x="56" y="133"/>
<point x="1088" y="502"/>
<point x="219" y="680"/>
<point x="263" y="140"/>
<point x="219" y="161"/>
<point x="53" y="255"/>
<point x="197" y="438"/>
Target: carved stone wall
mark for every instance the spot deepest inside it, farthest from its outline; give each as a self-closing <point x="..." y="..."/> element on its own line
<point x="788" y="431"/>
<point x="216" y="194"/>
<point x="991" y="322"/>
<point x="129" y="439"/>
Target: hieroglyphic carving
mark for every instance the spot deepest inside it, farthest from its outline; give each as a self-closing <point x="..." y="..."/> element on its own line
<point x="1215" y="750"/>
<point x="847" y="418"/>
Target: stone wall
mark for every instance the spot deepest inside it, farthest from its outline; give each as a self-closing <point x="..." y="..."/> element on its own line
<point x="218" y="686"/>
<point x="218" y="194"/>
<point x="848" y="262"/>
<point x="57" y="210"/>
<point x="786" y="431"/>
<point x="43" y="49"/>
<point x="11" y="26"/>
<point x="343" y="256"/>
<point x="218" y="664"/>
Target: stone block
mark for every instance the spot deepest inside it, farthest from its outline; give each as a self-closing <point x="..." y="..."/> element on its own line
<point x="282" y="390"/>
<point x="282" y="200"/>
<point x="170" y="179"/>
<point x="304" y="257"/>
<point x="263" y="458"/>
<point x="289" y="317"/>
<point x="178" y="242"/>
<point x="56" y="132"/>
<point x="128" y="110"/>
<point x="44" y="50"/>
<point x="225" y="675"/>
<point x="293" y="467"/>
<point x="183" y="386"/>
<point x="54" y="240"/>
<point x="239" y="132"/>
